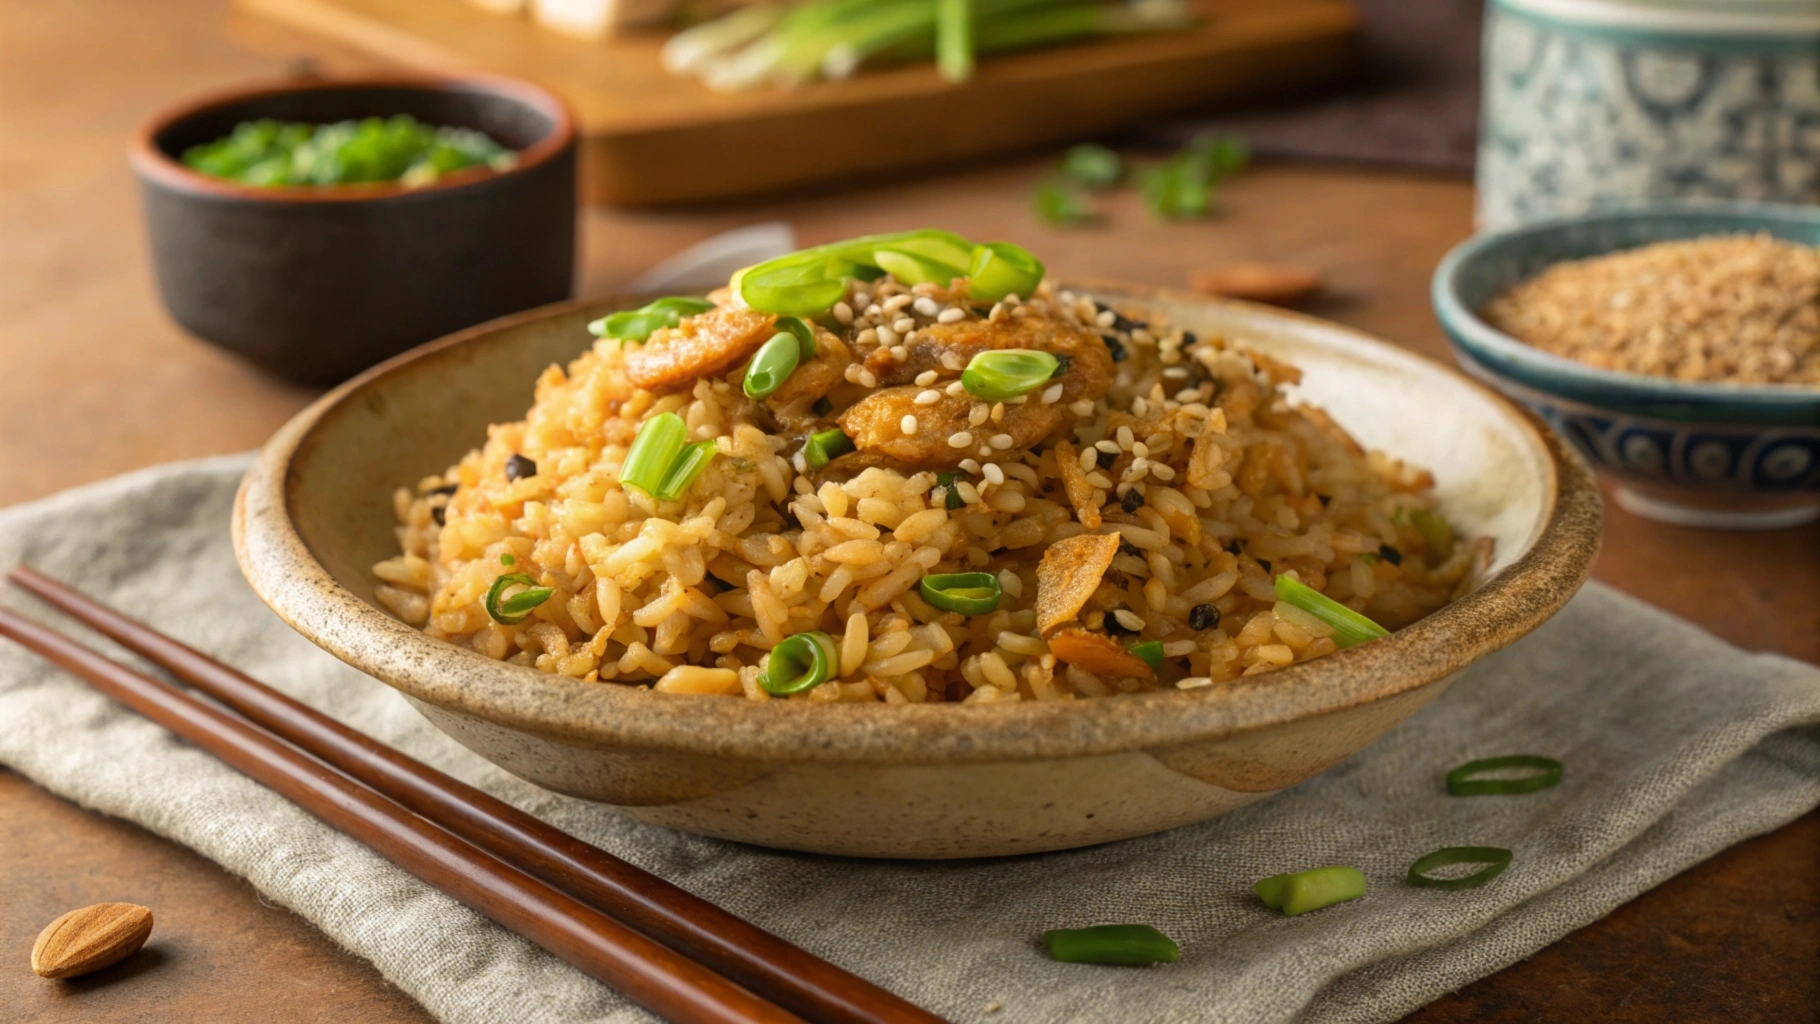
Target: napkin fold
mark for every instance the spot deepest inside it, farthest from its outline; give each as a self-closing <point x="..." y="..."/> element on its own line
<point x="1676" y="745"/>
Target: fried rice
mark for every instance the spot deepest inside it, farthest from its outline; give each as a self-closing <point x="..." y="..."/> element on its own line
<point x="1153" y="492"/>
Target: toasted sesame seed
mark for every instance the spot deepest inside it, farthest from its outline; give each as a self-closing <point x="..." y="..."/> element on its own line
<point x="843" y="312"/>
<point x="928" y="307"/>
<point x="874" y="311"/>
<point x="926" y="378"/>
<point x="1106" y="318"/>
<point x="970" y="466"/>
<point x="969" y="493"/>
<point x="1138" y="466"/>
<point x="953" y="361"/>
<point x="801" y="464"/>
<point x="1128" y="619"/>
<point x="908" y="423"/>
<point x="897" y="302"/>
<point x="998" y="314"/>
<point x="1052" y="394"/>
<point x="960" y="439"/>
<point x="998" y="412"/>
<point x="1162" y="472"/>
<point x="1125" y="438"/>
<point x="1000" y="441"/>
<point x="852" y="373"/>
<point x="1140" y="449"/>
<point x="993" y="472"/>
<point x="862" y="299"/>
<point x="977" y="415"/>
<point x="953" y="314"/>
<point x="903" y="325"/>
<point x="887" y="336"/>
<point x="1109" y="446"/>
<point x="1175" y="372"/>
<point x="956" y="389"/>
<point x="1140" y="407"/>
<point x="867" y="378"/>
<point x="869" y="336"/>
<point x="1082" y="407"/>
<point x="928" y="397"/>
<point x="1193" y="682"/>
<point x="1187" y="395"/>
<point x="1088" y="461"/>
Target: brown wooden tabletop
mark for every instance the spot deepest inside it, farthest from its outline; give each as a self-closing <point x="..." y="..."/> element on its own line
<point x="98" y="381"/>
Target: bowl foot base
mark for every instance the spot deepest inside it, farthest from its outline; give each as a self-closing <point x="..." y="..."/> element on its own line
<point x="1741" y="516"/>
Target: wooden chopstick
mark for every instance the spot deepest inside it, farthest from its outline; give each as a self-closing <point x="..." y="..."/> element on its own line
<point x="751" y="956"/>
<point x="664" y="981"/>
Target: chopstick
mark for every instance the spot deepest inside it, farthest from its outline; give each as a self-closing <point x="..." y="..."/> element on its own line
<point x="664" y="981"/>
<point x="744" y="953"/>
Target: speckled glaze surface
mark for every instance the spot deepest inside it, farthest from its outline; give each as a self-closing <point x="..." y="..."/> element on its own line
<point x="916" y="781"/>
<point x="1716" y="455"/>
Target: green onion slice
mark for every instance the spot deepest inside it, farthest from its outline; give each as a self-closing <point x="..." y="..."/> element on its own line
<point x="1131" y="944"/>
<point x="801" y="662"/>
<point x="508" y="559"/>
<point x="1349" y="627"/>
<point x="998" y="269"/>
<point x="799" y="329"/>
<point x="970" y="593"/>
<point x="824" y="446"/>
<point x="775" y="362"/>
<point x="954" y="39"/>
<point x="1092" y="166"/>
<point x="998" y="374"/>
<point x="682" y="473"/>
<point x="809" y="283"/>
<point x="911" y="269"/>
<point x="1152" y="653"/>
<point x="952" y="500"/>
<point x="1303" y="891"/>
<point x="1495" y="859"/>
<point x="1545" y="774"/>
<point x="513" y="610"/>
<point x="1436" y="533"/>
<point x="653" y="452"/>
<point x="1058" y="202"/>
<point x="639" y="324"/>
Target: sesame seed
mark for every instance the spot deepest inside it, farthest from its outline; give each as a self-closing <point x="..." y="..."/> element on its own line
<point x="956" y="389"/>
<point x="1128" y="619"/>
<point x="1000" y="441"/>
<point x="926" y="378"/>
<point x="900" y="353"/>
<point x="928" y="397"/>
<point x="801" y="464"/>
<point x="977" y="415"/>
<point x="953" y="314"/>
<point x="928" y="307"/>
<point x="1139" y="336"/>
<point x="970" y="466"/>
<point x="869" y="336"/>
<point x="1125" y="438"/>
<point x="862" y="299"/>
<point x="969" y="493"/>
<point x="1187" y="395"/>
<point x="867" y="378"/>
<point x="852" y="373"/>
<point x="1138" y="466"/>
<point x="1140" y="449"/>
<point x="897" y="302"/>
<point x="998" y="412"/>
<point x="1193" y="682"/>
<point x="1176" y="372"/>
<point x="1140" y="407"/>
<point x="1162" y="472"/>
<point x="997" y="315"/>
<point x="960" y="439"/>
<point x="903" y="325"/>
<point x="993" y="473"/>
<point x="1087" y="460"/>
<point x="1011" y="300"/>
<point x="874" y="311"/>
<point x="1108" y="446"/>
<point x="1052" y="394"/>
<point x="953" y="361"/>
<point x="843" y="312"/>
<point x="887" y="336"/>
<point x="1106" y="318"/>
<point x="1082" y="407"/>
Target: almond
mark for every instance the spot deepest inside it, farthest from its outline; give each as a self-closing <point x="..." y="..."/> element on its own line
<point x="1277" y="283"/>
<point x="86" y="940"/>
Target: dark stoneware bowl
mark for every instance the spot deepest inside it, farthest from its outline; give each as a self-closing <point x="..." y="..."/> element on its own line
<point x="316" y="284"/>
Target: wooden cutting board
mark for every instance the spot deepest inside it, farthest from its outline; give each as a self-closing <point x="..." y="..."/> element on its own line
<point x="651" y="137"/>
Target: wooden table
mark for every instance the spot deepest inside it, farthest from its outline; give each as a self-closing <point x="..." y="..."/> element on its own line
<point x="99" y="381"/>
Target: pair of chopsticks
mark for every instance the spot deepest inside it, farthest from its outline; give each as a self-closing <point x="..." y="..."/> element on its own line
<point x="678" y="955"/>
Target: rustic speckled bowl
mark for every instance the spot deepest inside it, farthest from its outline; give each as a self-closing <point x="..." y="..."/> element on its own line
<point x="927" y="781"/>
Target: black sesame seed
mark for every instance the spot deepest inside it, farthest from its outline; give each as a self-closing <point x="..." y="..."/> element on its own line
<point x="1132" y="501"/>
<point x="1265" y="562"/>
<point x="1203" y="616"/>
<point x="441" y="514"/>
<point x="1062" y="361"/>
<point x="1121" y="322"/>
<point x="1128" y="548"/>
<point x="1114" y="346"/>
<point x="445" y="490"/>
<point x="1188" y="339"/>
<point x="1104" y="458"/>
<point x="1390" y="554"/>
<point x="1326" y="499"/>
<point x="518" y="468"/>
<point x="1233" y="547"/>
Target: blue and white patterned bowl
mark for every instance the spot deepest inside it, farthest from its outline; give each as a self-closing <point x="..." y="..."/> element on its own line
<point x="1713" y="455"/>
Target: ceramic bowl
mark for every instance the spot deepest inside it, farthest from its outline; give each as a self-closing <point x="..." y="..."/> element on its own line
<point x="315" y="284"/>
<point x="917" y="781"/>
<point x="1709" y="455"/>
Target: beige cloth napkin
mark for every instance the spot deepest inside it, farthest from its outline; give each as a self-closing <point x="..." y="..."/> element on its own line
<point x="1676" y="746"/>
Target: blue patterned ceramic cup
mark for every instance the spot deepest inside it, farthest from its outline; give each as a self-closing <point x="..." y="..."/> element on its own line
<point x="1591" y="101"/>
<point x="1713" y="455"/>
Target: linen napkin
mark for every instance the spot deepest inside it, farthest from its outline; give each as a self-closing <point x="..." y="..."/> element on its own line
<point x="1676" y="745"/>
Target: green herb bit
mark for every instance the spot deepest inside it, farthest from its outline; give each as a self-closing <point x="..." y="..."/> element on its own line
<point x="824" y="446"/>
<point x="1152" y="653"/>
<point x="998" y="374"/>
<point x="374" y="149"/>
<point x="954" y="39"/>
<point x="513" y="610"/>
<point x="775" y="362"/>
<point x="1303" y="891"/>
<point x="800" y="662"/>
<point x="1544" y="773"/>
<point x="1128" y="944"/>
<point x="1495" y="859"/>
<point x="508" y="559"/>
<point x="809" y="282"/>
<point x="1436" y="534"/>
<point x="1349" y="627"/>
<point x="1093" y="167"/>
<point x="1060" y="203"/>
<point x="654" y="450"/>
<point x="804" y="334"/>
<point x="970" y="593"/>
<point x="687" y="467"/>
<point x="639" y="324"/>
<point x="998" y="269"/>
<point x="952" y="498"/>
<point x="1182" y="188"/>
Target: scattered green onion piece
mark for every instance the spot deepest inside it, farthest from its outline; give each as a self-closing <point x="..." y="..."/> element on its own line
<point x="954" y="39"/>
<point x="1061" y="203"/>
<point x="1091" y="166"/>
<point x="953" y="499"/>
<point x="998" y="269"/>
<point x="1152" y="653"/>
<point x="951" y="251"/>
<point x="1303" y="891"/>
<point x="639" y="324"/>
<point x="1349" y="627"/>
<point x="824" y="446"/>
<point x="799" y="329"/>
<point x="775" y="361"/>
<point x="912" y="269"/>
<point x="1436" y="533"/>
<point x="805" y="288"/>
<point x="513" y="610"/>
<point x="508" y="559"/>
<point x="682" y="473"/>
<point x="1546" y="774"/>
<point x="1495" y="859"/>
<point x="800" y="662"/>
<point x="970" y="593"/>
<point x="1129" y="944"/>
<point x="1001" y="373"/>
<point x="653" y="452"/>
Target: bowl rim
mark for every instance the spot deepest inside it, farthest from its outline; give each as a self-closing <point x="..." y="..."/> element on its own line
<point x="1467" y="330"/>
<point x="154" y="164"/>
<point x="1511" y="603"/>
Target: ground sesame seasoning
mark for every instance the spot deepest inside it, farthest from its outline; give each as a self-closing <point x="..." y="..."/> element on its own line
<point x="960" y="439"/>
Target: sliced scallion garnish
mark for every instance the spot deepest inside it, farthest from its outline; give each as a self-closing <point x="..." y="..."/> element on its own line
<point x="952" y="498"/>
<point x="1092" y="166"/>
<point x="1152" y="653"/>
<point x="998" y="269"/>
<point x="512" y="610"/>
<point x="954" y="39"/>
<point x="998" y="374"/>
<point x="970" y="593"/>
<point x="775" y="361"/>
<point x="1349" y="627"/>
<point x="1495" y="859"/>
<point x="800" y="662"/>
<point x="1132" y="944"/>
<point x="638" y="324"/>
<point x="654" y="451"/>
<point x="824" y="446"/>
<point x="1545" y="772"/>
<point x="1303" y="891"/>
<point x="799" y="329"/>
<point x="1436" y="533"/>
<point x="682" y="473"/>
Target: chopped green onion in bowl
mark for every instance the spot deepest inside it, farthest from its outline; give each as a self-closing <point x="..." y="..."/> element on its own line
<point x="1349" y="627"/>
<point x="1303" y="891"/>
<point x="774" y="362"/>
<point x="1132" y="945"/>
<point x="366" y="151"/>
<point x="800" y="662"/>
<point x="1466" y="780"/>
<point x="998" y="374"/>
<point x="1495" y="859"/>
<point x="969" y="593"/>
<point x="510" y="611"/>
<point x="639" y="324"/>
